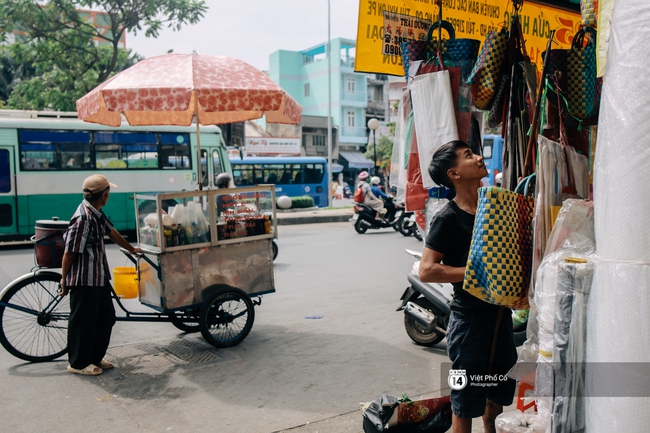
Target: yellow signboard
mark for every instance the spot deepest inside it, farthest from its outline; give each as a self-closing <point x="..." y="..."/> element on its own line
<point x="471" y="19"/>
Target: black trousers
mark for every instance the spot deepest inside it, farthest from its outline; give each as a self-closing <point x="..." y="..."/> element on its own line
<point x="92" y="317"/>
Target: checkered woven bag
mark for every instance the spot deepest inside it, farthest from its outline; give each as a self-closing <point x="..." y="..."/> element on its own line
<point x="581" y="73"/>
<point x="484" y="78"/>
<point x="589" y="12"/>
<point x="452" y="49"/>
<point x="499" y="263"/>
<point x="411" y="52"/>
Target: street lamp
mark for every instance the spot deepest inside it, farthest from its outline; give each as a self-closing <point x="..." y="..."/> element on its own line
<point x="373" y="124"/>
<point x="329" y="109"/>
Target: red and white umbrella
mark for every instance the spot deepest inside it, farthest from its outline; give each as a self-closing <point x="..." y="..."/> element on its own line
<point x="171" y="89"/>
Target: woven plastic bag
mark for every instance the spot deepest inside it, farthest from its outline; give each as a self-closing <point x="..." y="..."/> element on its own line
<point x="581" y="74"/>
<point x="499" y="263"/>
<point x="589" y="12"/>
<point x="485" y="77"/>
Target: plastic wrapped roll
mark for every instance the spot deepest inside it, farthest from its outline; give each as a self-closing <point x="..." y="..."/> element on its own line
<point x="618" y="321"/>
<point x="574" y="285"/>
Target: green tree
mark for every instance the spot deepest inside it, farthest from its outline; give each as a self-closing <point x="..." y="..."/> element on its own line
<point x="70" y="53"/>
<point x="384" y="151"/>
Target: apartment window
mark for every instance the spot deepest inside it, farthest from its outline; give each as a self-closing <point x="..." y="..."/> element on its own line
<point x="350" y="85"/>
<point x="351" y="117"/>
<point x="318" y="140"/>
<point x="307" y="89"/>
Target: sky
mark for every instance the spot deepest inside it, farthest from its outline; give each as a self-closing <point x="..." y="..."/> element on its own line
<point x="251" y="30"/>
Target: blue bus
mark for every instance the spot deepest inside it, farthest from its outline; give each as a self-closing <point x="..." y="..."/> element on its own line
<point x="292" y="176"/>
<point x="493" y="156"/>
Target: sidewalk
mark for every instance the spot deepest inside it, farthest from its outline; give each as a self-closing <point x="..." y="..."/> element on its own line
<point x="342" y="212"/>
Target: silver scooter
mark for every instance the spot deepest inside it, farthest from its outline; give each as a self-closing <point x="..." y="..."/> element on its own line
<point x="426" y="309"/>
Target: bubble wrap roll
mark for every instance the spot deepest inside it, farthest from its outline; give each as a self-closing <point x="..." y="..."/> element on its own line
<point x="621" y="168"/>
<point x="617" y="332"/>
<point x="618" y="324"/>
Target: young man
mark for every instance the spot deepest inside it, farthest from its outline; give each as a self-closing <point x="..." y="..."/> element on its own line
<point x="86" y="275"/>
<point x="470" y="332"/>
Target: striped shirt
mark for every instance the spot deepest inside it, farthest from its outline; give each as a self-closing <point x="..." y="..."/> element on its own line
<point x="85" y="236"/>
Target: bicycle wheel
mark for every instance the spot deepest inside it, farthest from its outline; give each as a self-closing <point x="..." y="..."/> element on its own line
<point x="34" y="324"/>
<point x="227" y="317"/>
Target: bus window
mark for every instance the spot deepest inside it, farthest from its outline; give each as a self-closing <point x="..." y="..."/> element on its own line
<point x="37" y="156"/>
<point x="487" y="148"/>
<point x="5" y="176"/>
<point x="273" y="173"/>
<point x="313" y="173"/>
<point x="74" y="156"/>
<point x="296" y="173"/>
<point x="174" y="151"/>
<point x="243" y="174"/>
<point x="216" y="164"/>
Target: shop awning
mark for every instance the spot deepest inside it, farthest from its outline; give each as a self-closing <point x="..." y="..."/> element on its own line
<point x="336" y="168"/>
<point x="355" y="159"/>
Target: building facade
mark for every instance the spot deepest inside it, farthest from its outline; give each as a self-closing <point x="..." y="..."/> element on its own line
<point x="355" y="98"/>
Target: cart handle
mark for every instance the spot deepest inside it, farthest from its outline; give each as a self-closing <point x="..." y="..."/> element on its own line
<point x="140" y="256"/>
<point x="130" y="255"/>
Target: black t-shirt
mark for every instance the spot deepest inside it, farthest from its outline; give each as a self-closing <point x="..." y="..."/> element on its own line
<point x="451" y="235"/>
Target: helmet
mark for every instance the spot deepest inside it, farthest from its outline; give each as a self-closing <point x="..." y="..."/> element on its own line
<point x="222" y="180"/>
<point x="363" y="175"/>
<point x="375" y="180"/>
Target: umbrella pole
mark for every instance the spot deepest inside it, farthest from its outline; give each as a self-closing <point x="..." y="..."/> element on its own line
<point x="198" y="144"/>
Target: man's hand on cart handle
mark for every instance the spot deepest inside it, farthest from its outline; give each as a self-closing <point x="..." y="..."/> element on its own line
<point x="134" y="251"/>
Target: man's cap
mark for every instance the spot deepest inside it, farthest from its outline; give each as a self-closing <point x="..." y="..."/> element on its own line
<point x="96" y="183"/>
<point x="223" y="179"/>
<point x="363" y="175"/>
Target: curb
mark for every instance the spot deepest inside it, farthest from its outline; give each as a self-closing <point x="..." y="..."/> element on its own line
<point x="314" y="219"/>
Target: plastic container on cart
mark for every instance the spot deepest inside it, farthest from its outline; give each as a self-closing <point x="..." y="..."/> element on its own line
<point x="125" y="281"/>
<point x="48" y="242"/>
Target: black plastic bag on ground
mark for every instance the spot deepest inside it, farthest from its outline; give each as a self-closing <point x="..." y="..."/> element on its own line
<point x="376" y="416"/>
<point x="379" y="412"/>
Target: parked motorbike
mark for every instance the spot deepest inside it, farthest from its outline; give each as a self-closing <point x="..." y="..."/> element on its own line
<point x="404" y="226"/>
<point x="426" y="310"/>
<point x="364" y="217"/>
<point x="410" y="227"/>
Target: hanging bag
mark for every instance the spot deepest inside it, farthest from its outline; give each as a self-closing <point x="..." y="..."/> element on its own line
<point x="581" y="73"/>
<point x="485" y="77"/>
<point x="589" y="12"/>
<point x="499" y="262"/>
<point x="456" y="52"/>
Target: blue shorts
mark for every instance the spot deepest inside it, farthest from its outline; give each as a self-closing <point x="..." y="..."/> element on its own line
<point x="469" y="343"/>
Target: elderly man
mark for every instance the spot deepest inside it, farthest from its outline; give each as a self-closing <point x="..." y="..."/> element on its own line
<point x="86" y="275"/>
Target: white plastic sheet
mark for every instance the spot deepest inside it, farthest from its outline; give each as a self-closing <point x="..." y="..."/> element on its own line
<point x="618" y="321"/>
<point x="434" y="116"/>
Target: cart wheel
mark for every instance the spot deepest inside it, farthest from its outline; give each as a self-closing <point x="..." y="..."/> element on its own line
<point x="34" y="326"/>
<point x="226" y="317"/>
<point x="275" y="249"/>
<point x="177" y="321"/>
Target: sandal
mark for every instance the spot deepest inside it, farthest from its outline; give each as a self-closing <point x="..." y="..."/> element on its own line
<point x="105" y="365"/>
<point x="91" y="370"/>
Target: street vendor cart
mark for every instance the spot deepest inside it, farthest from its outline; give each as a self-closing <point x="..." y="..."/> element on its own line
<point x="205" y="256"/>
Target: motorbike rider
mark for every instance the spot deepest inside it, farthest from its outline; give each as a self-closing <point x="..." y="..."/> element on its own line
<point x="472" y="323"/>
<point x="388" y="203"/>
<point x="369" y="198"/>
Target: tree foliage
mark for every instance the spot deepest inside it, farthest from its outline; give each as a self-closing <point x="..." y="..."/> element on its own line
<point x="70" y="54"/>
<point x="384" y="149"/>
